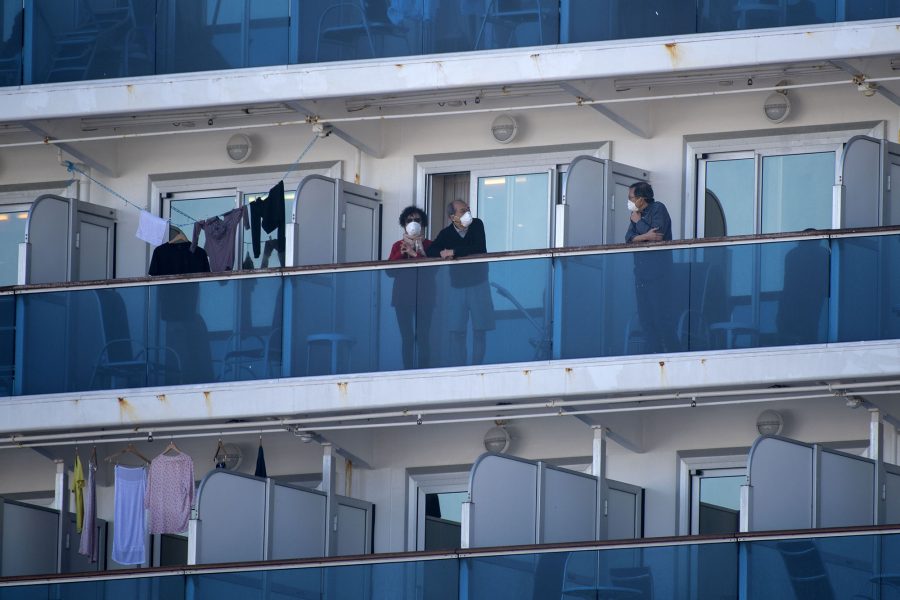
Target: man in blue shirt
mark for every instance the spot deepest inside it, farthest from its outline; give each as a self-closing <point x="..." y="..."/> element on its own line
<point x="650" y="222"/>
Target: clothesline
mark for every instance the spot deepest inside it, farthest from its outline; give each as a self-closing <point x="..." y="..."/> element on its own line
<point x="73" y="168"/>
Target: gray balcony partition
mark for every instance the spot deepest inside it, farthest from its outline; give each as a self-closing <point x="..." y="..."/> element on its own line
<point x="29" y="539"/>
<point x="793" y="485"/>
<point x="241" y="518"/>
<point x="513" y="501"/>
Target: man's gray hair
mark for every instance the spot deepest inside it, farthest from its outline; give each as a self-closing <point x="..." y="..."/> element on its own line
<point x="451" y="209"/>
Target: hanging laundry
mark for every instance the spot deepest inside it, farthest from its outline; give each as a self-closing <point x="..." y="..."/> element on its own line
<point x="176" y="258"/>
<point x="77" y="488"/>
<point x="151" y="229"/>
<point x="268" y="214"/>
<point x="88" y="545"/>
<point x="130" y="523"/>
<point x="170" y="493"/>
<point x="260" y="462"/>
<point x="220" y="234"/>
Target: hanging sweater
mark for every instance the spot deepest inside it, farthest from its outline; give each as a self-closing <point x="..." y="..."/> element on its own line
<point x="220" y="234"/>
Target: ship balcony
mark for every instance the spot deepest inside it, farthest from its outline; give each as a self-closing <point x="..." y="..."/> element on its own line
<point x="563" y="324"/>
<point x="849" y="563"/>
<point x="49" y="41"/>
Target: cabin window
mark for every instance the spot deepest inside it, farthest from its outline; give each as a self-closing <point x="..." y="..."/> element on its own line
<point x="746" y="193"/>
<point x="761" y="182"/>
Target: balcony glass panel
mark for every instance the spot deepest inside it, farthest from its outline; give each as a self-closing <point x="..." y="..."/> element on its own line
<point x="75" y="40"/>
<point x="203" y="35"/>
<point x="90" y="39"/>
<point x="621" y="303"/>
<point x="7" y="344"/>
<point x="86" y="339"/>
<point x="656" y="572"/>
<point x="217" y="330"/>
<point x="837" y="567"/>
<point x="439" y="314"/>
<point x="850" y="566"/>
<point x="865" y="288"/>
<point x="485" y="313"/>
<point x="12" y="38"/>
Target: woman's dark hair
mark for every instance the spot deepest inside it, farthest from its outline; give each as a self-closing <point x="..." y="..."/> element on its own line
<point x="643" y="190"/>
<point x="410" y="210"/>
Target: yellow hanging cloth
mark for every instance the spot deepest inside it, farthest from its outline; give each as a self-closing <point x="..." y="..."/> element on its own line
<point x="77" y="488"/>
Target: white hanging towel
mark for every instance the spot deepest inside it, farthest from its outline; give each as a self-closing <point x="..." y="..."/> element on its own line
<point x="152" y="230"/>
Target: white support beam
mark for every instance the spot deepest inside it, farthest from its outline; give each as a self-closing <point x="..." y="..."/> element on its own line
<point x="598" y="470"/>
<point x="861" y="77"/>
<point x="606" y="112"/>
<point x="618" y="438"/>
<point x="70" y="149"/>
<point x="328" y="486"/>
<point x="358" y="462"/>
<point x="338" y="132"/>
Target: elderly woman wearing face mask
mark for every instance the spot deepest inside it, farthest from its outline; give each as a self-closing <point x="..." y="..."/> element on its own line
<point x="413" y="317"/>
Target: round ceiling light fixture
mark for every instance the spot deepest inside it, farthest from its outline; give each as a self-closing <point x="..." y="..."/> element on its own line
<point x="497" y="440"/>
<point x="504" y="129"/>
<point x="239" y="148"/>
<point x="769" y="422"/>
<point x="777" y="106"/>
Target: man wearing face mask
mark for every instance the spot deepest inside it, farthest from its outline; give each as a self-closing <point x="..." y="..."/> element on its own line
<point x="650" y="222"/>
<point x="413" y="293"/>
<point x="464" y="236"/>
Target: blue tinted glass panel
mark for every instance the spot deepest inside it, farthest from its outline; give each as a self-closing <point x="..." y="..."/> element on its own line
<point x="727" y="16"/>
<point x="623" y="303"/>
<point x="75" y="40"/>
<point x="336" y="321"/>
<point x="840" y="567"/>
<point x="203" y="35"/>
<point x="7" y="344"/>
<point x="12" y="37"/>
<point x="865" y="290"/>
<point x="341" y="30"/>
<point x="657" y="572"/>
<point x="86" y="340"/>
<point x="217" y="330"/>
<point x="149" y="588"/>
<point x="488" y="312"/>
<point x="25" y="592"/>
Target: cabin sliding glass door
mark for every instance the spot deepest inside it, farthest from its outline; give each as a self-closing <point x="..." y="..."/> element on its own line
<point x="775" y="191"/>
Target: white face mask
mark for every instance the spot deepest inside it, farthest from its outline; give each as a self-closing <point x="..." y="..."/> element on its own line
<point x="466" y="219"/>
<point x="413" y="228"/>
<point x="632" y="206"/>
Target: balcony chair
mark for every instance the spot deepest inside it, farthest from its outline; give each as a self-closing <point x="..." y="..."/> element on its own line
<point x="334" y="342"/>
<point x="499" y="12"/>
<point x="95" y="46"/>
<point x="580" y="580"/>
<point x="123" y="363"/>
<point x="256" y="356"/>
<point x="360" y="20"/>
<point x="807" y="572"/>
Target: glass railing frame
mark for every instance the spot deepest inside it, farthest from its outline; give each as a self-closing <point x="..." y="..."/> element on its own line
<point x="288" y="274"/>
<point x="741" y="539"/>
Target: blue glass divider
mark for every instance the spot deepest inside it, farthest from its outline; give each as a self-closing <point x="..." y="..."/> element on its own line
<point x="81" y="40"/>
<point x="486" y="312"/>
<point x="849" y="566"/>
<point x="225" y="330"/>
<point x="865" y="288"/>
<point x="80" y="340"/>
<point x="12" y="40"/>
<point x="7" y="344"/>
<point x="204" y="36"/>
